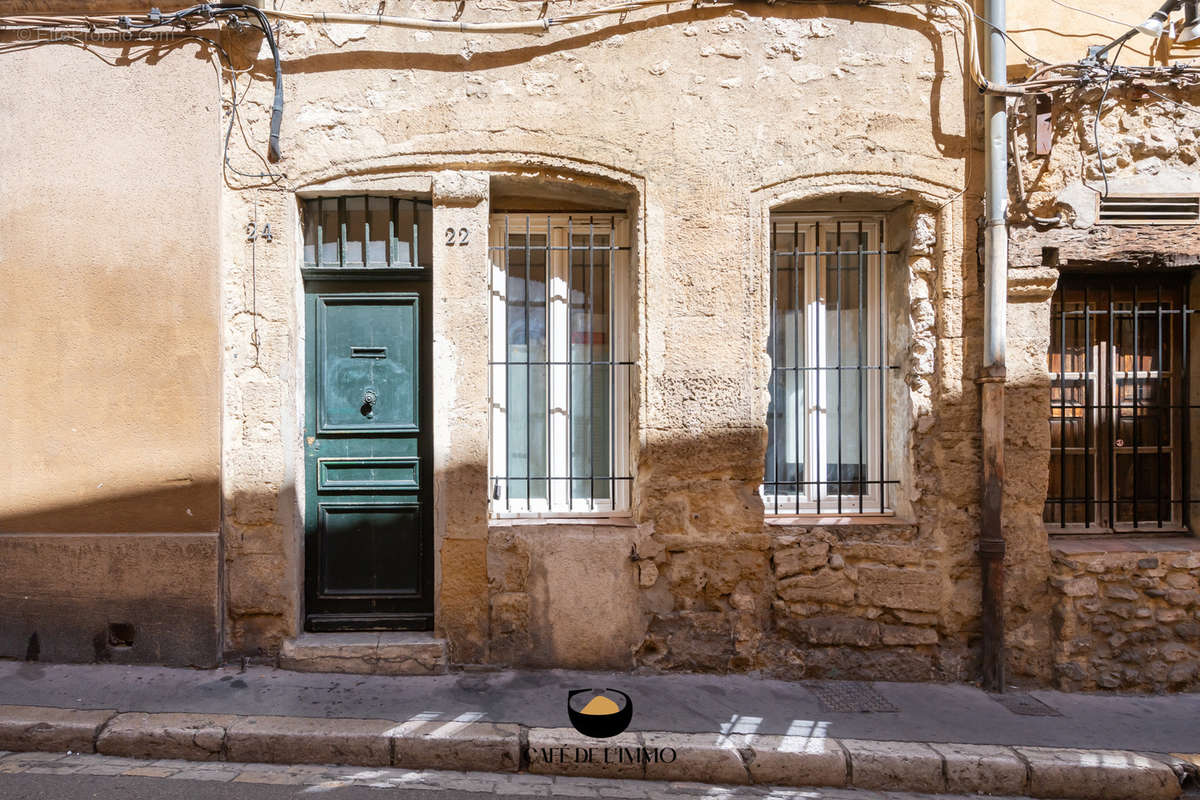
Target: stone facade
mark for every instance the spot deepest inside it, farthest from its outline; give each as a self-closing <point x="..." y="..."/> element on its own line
<point x="1126" y="617"/>
<point x="1122" y="617"/>
<point x="699" y="123"/>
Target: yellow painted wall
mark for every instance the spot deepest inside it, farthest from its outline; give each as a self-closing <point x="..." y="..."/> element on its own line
<point x="1057" y="33"/>
<point x="109" y="263"/>
<point x="110" y="349"/>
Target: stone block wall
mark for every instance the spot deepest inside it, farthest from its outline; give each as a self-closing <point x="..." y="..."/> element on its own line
<point x="861" y="601"/>
<point x="1127" y="615"/>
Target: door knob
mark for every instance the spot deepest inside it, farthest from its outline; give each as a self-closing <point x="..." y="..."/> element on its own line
<point x="368" y="403"/>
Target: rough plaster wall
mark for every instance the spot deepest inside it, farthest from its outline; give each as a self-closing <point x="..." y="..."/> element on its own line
<point x="1150" y="145"/>
<point x="697" y="115"/>
<point x="109" y="505"/>
<point x="263" y="390"/>
<point x="560" y="595"/>
<point x="1027" y="455"/>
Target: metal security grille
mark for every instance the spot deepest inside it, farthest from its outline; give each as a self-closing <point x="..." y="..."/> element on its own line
<point x="367" y="232"/>
<point x="560" y="367"/>
<point x="1119" y="411"/>
<point x="827" y="424"/>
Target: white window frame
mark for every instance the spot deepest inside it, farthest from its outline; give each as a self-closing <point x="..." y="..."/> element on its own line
<point x="560" y="226"/>
<point x="817" y="499"/>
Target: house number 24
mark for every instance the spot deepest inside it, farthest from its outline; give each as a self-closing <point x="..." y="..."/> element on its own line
<point x="459" y="237"/>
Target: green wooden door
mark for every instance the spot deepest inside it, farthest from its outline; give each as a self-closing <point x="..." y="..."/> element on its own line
<point x="368" y="459"/>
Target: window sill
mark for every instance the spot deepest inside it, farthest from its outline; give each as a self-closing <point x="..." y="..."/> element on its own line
<point x="595" y="520"/>
<point x="793" y="520"/>
<point x="1123" y="542"/>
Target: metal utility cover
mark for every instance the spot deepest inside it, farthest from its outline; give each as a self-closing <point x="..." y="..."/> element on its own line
<point x="851" y="697"/>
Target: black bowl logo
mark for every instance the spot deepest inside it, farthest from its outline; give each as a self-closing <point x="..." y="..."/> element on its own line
<point x="599" y="714"/>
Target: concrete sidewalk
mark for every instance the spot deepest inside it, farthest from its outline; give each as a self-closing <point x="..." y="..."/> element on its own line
<point x="722" y="729"/>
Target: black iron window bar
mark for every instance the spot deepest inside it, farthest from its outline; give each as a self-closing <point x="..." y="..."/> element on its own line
<point x="598" y="262"/>
<point x="367" y="232"/>
<point x="847" y="493"/>
<point x="1101" y="324"/>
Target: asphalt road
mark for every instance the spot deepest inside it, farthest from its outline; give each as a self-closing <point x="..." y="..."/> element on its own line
<point x="58" y="776"/>
<point x="104" y="787"/>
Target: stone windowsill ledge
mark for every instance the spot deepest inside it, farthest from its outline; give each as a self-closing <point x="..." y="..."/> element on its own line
<point x="616" y="521"/>
<point x="1118" y="543"/>
<point x="813" y="520"/>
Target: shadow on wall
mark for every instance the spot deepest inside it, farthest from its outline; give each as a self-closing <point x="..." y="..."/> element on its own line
<point x="474" y="62"/>
<point x="124" y="579"/>
<point x="187" y="506"/>
<point x="585" y="595"/>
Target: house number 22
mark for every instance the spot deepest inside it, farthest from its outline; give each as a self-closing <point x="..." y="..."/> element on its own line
<point x="459" y="237"/>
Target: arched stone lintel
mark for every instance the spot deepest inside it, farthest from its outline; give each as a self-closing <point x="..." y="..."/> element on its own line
<point x="422" y="166"/>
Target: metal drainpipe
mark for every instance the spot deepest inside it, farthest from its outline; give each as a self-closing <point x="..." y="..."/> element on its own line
<point x="991" y="535"/>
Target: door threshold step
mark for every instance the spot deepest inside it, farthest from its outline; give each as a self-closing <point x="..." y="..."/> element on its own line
<point x="366" y="653"/>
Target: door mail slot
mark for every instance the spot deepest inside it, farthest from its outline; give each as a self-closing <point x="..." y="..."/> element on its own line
<point x="368" y="474"/>
<point x="368" y="352"/>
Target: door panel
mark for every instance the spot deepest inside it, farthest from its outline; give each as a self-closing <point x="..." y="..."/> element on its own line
<point x="367" y="362"/>
<point x="370" y="550"/>
<point x="368" y="459"/>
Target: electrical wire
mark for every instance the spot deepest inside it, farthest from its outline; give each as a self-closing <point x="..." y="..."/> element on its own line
<point x="273" y="151"/>
<point x="1182" y="106"/>
<point x="533" y="26"/>
<point x="234" y="117"/>
<point x="542" y="25"/>
<point x="970" y="43"/>
<point x="1099" y="109"/>
<point x="1094" y="14"/>
<point x="1006" y="35"/>
<point x="233" y="12"/>
<point x="186" y="18"/>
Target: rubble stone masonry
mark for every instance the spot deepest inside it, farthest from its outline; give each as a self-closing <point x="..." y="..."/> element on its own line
<point x="1126" y="617"/>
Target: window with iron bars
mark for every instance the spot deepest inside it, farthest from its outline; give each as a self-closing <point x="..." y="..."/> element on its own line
<point x="1119" y="410"/>
<point x="361" y="233"/>
<point x="560" y="363"/>
<point x="827" y="423"/>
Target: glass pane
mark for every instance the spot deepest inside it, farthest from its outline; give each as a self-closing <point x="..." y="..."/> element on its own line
<point x="1076" y="323"/>
<point x="590" y="374"/>
<point x="378" y="227"/>
<point x="528" y="444"/>
<point x="786" y="436"/>
<point x="1146" y="421"/>
<point x="356" y="229"/>
<point x="845" y="335"/>
<point x="331" y="231"/>
<point x="311" y="211"/>
<point x="424" y="234"/>
<point x="1148" y="500"/>
<point x="1068" y="495"/>
<point x="1137" y="349"/>
<point x="403" y="257"/>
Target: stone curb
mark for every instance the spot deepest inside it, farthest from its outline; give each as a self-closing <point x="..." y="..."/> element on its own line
<point x="51" y="729"/>
<point x="469" y="745"/>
